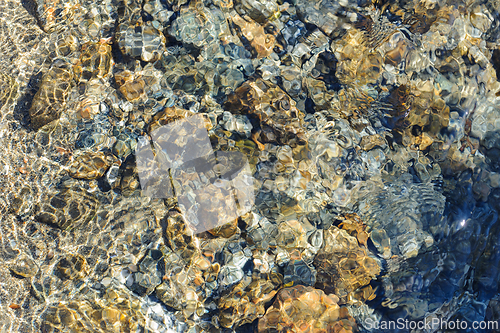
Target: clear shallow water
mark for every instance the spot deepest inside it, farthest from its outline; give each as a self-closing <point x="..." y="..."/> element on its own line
<point x="174" y="166"/>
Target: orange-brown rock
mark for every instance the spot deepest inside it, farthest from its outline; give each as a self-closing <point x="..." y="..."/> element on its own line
<point x="90" y="165"/>
<point x="245" y="301"/>
<point x="132" y="90"/>
<point x="225" y="230"/>
<point x="280" y="119"/>
<point x="72" y="267"/>
<point x="168" y="115"/>
<point x="131" y="87"/>
<point x="355" y="227"/>
<point x="343" y="265"/>
<point x="95" y="61"/>
<point x="261" y="42"/>
<point x="305" y="309"/>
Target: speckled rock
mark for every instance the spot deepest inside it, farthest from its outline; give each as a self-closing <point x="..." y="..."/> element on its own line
<point x="50" y="100"/>
<point x="245" y="301"/>
<point x="305" y="309"/>
<point x="24" y="267"/>
<point x="72" y="267"/>
<point x="89" y="165"/>
<point x="142" y="41"/>
<point x="67" y="208"/>
<point x="343" y="265"/>
<point x="280" y="119"/>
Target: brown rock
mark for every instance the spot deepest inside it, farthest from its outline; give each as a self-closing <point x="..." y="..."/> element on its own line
<point x="261" y="42"/>
<point x="72" y="267"/>
<point x="370" y="68"/>
<point x="280" y="120"/>
<point x="225" y="230"/>
<point x="134" y="89"/>
<point x="166" y="116"/>
<point x="24" y="267"/>
<point x="396" y="55"/>
<point x="129" y="182"/>
<point x="371" y="141"/>
<point x="90" y="165"/>
<point x="291" y="235"/>
<point x="95" y="61"/>
<point x="343" y="265"/>
<point x="245" y="301"/>
<point x="355" y="227"/>
<point x="184" y="287"/>
<point x="180" y="238"/>
<point x="67" y="208"/>
<point x="305" y="309"/>
<point x="131" y="87"/>
<point x="116" y="311"/>
<point x="50" y="100"/>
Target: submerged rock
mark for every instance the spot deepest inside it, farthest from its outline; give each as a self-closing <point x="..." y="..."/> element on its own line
<point x="95" y="61"/>
<point x="327" y="130"/>
<point x="305" y="309"/>
<point x="67" y="208"/>
<point x="50" y="100"/>
<point x="115" y="312"/>
<point x="280" y="120"/>
<point x="142" y="41"/>
<point x="88" y="165"/>
<point x="72" y="267"/>
<point x="24" y="267"/>
<point x="244" y="302"/>
<point x="401" y="216"/>
<point x="343" y="265"/>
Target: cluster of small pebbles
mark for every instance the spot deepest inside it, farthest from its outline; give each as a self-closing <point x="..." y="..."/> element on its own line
<point x="366" y="133"/>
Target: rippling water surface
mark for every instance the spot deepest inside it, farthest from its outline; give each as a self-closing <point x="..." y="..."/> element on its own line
<point x="249" y="166"/>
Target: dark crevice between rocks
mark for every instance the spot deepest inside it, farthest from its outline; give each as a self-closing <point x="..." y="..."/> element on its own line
<point x="490" y="147"/>
<point x="326" y="66"/>
<point x="117" y="54"/>
<point x="495" y="60"/>
<point x="248" y="328"/>
<point x="17" y="276"/>
<point x="493" y="32"/>
<point x="32" y="8"/>
<point x="21" y="110"/>
<point x="397" y="121"/>
<point x="243" y="39"/>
